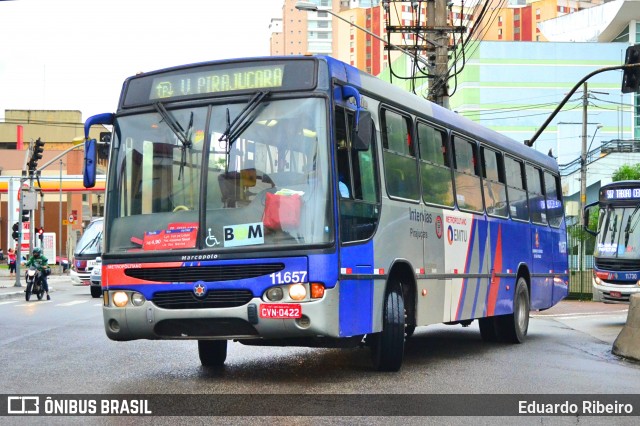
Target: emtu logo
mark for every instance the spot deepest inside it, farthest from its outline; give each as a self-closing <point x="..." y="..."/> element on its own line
<point x="456" y="235"/>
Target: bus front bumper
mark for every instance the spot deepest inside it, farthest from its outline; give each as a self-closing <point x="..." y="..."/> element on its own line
<point x="613" y="293"/>
<point x="148" y="321"/>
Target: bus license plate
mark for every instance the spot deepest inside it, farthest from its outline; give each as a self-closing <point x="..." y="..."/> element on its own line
<point x="616" y="294"/>
<point x="281" y="311"/>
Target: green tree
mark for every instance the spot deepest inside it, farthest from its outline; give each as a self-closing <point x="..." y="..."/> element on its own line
<point x="627" y="172"/>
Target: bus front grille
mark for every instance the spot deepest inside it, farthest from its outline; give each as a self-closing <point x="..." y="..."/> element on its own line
<point x="617" y="264"/>
<point x="213" y="299"/>
<point x="189" y="274"/>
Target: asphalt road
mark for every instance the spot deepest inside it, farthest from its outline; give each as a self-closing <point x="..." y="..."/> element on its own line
<point x="60" y="347"/>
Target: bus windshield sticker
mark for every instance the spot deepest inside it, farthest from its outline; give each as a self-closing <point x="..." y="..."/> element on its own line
<point x="245" y="234"/>
<point x="178" y="235"/>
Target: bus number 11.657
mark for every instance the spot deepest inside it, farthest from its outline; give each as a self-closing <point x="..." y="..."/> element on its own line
<point x="288" y="277"/>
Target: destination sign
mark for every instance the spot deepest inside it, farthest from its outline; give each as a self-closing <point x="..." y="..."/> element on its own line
<point x="613" y="194"/>
<point x="216" y="81"/>
<point x="220" y="78"/>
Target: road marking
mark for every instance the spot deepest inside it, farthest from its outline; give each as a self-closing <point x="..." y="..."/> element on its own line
<point x="73" y="302"/>
<point x="580" y="315"/>
<point x="6" y="303"/>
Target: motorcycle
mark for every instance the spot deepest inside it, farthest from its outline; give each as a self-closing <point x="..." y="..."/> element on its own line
<point x="34" y="283"/>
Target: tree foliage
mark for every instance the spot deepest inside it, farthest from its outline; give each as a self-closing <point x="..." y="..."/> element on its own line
<point x="627" y="172"/>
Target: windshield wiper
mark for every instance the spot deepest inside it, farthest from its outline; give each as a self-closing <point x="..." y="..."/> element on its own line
<point x="91" y="243"/>
<point x="628" y="229"/>
<point x="181" y="134"/>
<point x="243" y="120"/>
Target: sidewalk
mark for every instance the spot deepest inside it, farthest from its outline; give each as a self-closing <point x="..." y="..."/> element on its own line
<point x="8" y="290"/>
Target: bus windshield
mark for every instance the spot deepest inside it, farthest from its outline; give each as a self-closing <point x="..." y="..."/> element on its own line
<point x="258" y="169"/>
<point x="619" y="233"/>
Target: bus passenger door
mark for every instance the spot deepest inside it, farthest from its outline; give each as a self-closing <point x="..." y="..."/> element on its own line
<point x="359" y="209"/>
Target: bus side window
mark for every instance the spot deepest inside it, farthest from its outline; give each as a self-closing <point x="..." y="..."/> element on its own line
<point x="468" y="189"/>
<point x="537" y="203"/>
<point x="495" y="194"/>
<point x="435" y="168"/>
<point x="359" y="208"/>
<point x="400" y="167"/>
<point x="518" y="205"/>
<point x="555" y="211"/>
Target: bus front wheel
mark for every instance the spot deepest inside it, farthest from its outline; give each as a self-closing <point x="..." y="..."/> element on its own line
<point x="387" y="346"/>
<point x="212" y="353"/>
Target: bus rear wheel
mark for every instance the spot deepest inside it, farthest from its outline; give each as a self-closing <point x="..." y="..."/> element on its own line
<point x="513" y="328"/>
<point x="387" y="346"/>
<point x="212" y="353"/>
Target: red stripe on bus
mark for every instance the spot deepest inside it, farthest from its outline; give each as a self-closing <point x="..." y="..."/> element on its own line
<point x="494" y="285"/>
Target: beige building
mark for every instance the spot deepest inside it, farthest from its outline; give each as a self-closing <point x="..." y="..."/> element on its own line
<point x="299" y="33"/>
<point x="58" y="130"/>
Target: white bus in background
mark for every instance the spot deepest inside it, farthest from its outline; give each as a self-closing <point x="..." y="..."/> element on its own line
<point x="89" y="247"/>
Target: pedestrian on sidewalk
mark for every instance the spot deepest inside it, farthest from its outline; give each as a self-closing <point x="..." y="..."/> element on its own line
<point x="11" y="257"/>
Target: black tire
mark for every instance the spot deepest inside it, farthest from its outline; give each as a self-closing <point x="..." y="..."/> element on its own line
<point x="409" y="330"/>
<point x="96" y="292"/>
<point x="513" y="328"/>
<point x="212" y="353"/>
<point x="40" y="293"/>
<point x="488" y="330"/>
<point x="27" y="294"/>
<point x="387" y="346"/>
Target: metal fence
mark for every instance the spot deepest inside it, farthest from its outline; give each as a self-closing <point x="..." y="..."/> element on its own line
<point x="580" y="246"/>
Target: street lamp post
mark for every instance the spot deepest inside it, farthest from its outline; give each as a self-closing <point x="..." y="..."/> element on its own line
<point x="60" y="219"/>
<point x="311" y="7"/>
<point x="583" y="170"/>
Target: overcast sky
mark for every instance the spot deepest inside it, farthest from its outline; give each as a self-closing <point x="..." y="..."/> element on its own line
<point x="75" y="54"/>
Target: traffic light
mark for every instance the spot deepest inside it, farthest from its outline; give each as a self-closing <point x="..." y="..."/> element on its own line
<point x="40" y="232"/>
<point x="38" y="149"/>
<point x="15" y="234"/>
<point x="25" y="216"/>
<point x="103" y="148"/>
<point x="631" y="76"/>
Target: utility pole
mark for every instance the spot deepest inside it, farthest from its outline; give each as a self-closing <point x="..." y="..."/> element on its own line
<point x="441" y="40"/>
<point x="583" y="155"/>
<point x="431" y="41"/>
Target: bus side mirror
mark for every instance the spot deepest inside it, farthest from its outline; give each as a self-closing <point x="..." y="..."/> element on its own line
<point x="363" y="133"/>
<point x="91" y="149"/>
<point x="585" y="219"/>
<point x="90" y="163"/>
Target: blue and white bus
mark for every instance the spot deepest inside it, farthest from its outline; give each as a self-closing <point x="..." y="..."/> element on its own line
<point x="616" y="256"/>
<point x="300" y="201"/>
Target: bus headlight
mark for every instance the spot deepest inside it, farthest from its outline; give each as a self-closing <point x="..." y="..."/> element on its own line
<point x="297" y="292"/>
<point x="274" y="294"/>
<point x="120" y="299"/>
<point x="138" y="299"/>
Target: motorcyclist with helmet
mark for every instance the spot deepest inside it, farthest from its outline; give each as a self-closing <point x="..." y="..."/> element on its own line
<point x="41" y="263"/>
